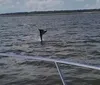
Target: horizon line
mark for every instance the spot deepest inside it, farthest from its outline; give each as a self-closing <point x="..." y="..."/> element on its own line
<point x="48" y="11"/>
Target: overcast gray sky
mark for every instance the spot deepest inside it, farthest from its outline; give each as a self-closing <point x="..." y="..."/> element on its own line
<point x="7" y="6"/>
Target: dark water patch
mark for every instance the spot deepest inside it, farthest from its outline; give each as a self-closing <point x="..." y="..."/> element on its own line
<point x="3" y="27"/>
<point x="53" y="79"/>
<point x="32" y="25"/>
<point x="17" y="51"/>
<point x="69" y="53"/>
<point x="22" y="82"/>
<point x="94" y="82"/>
<point x="2" y="57"/>
<point x="75" y="77"/>
<point x="37" y="63"/>
<point x="13" y="51"/>
<point x="72" y="33"/>
<point x="2" y="64"/>
<point x="8" y="45"/>
<point x="92" y="41"/>
<point x="95" y="52"/>
<point x="2" y="76"/>
<point x="76" y="81"/>
<point x="94" y="57"/>
<point x="20" y="25"/>
<point x="52" y="42"/>
<point x="84" y="45"/>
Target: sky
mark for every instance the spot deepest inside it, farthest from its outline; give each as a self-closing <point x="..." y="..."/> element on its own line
<point x="11" y="6"/>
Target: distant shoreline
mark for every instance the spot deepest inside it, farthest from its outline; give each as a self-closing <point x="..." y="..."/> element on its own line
<point x="50" y="12"/>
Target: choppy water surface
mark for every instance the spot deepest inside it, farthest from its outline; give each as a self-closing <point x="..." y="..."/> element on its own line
<point x="72" y="37"/>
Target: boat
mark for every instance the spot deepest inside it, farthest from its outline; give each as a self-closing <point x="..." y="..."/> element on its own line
<point x="56" y="61"/>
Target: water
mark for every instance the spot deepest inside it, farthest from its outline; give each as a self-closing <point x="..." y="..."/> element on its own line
<point x="72" y="37"/>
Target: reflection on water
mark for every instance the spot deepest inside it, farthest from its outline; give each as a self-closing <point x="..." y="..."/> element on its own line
<point x="75" y="37"/>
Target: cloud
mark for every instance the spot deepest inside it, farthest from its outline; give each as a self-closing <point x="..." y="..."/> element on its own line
<point x="5" y="2"/>
<point x="44" y="4"/>
<point x="31" y="5"/>
<point x="80" y="0"/>
<point x="97" y="5"/>
<point x="97" y="1"/>
<point x="2" y="1"/>
<point x="93" y="6"/>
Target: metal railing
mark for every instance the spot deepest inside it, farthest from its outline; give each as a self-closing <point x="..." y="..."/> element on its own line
<point x="54" y="61"/>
